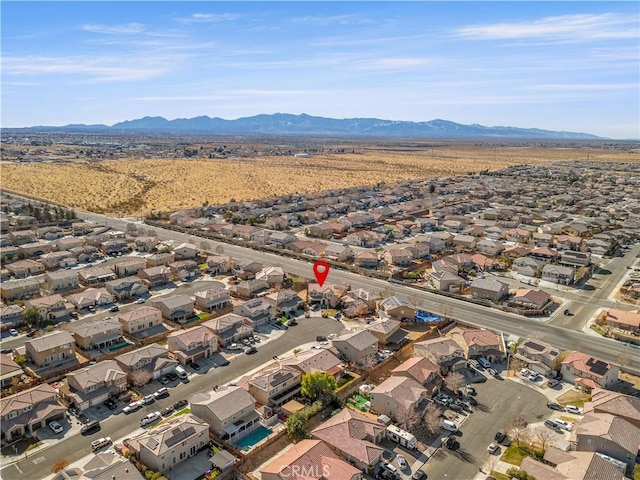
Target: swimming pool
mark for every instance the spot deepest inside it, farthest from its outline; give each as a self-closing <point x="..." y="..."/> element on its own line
<point x="255" y="437"/>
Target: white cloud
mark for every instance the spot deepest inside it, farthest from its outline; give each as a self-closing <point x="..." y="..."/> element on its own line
<point x="578" y="27"/>
<point x="588" y="86"/>
<point x="123" y="29"/>
<point x="333" y="20"/>
<point x="209" y="18"/>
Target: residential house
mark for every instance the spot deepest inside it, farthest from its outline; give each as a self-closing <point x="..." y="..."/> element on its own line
<point x="399" y="398"/>
<point x="51" y="307"/>
<point x="33" y="249"/>
<point x="145" y="244"/>
<point x="218" y="264"/>
<point x="125" y="288"/>
<point x="11" y="316"/>
<point x="307" y="460"/>
<point x="85" y="253"/>
<point x="192" y="344"/>
<point x="399" y="257"/>
<point x="483" y="343"/>
<point x="60" y="281"/>
<point x="214" y="299"/>
<point x="364" y="238"/>
<point x="19" y="289"/>
<point x="229" y="328"/>
<point x="489" y="289"/>
<point x="249" y="288"/>
<point x="96" y="276"/>
<point x="326" y="296"/>
<point x="229" y="412"/>
<point x="257" y="311"/>
<point x="446" y="281"/>
<point x="338" y="252"/>
<point x="9" y="370"/>
<point x="387" y="331"/>
<point x="490" y="247"/>
<point x="184" y="270"/>
<point x="528" y="266"/>
<point x="518" y="235"/>
<point x="246" y="269"/>
<point x="532" y="299"/>
<point x="360" y="302"/>
<point x="310" y="361"/>
<point x="275" y="386"/>
<point x="176" y="308"/>
<point x="575" y="259"/>
<point x="52" y="349"/>
<point x="130" y="266"/>
<point x="167" y="445"/>
<point x="24" y="412"/>
<point x="285" y="302"/>
<point x="25" y="268"/>
<point x="156" y="276"/>
<point x="367" y="259"/>
<point x="615" y="403"/>
<point x="274" y="276"/>
<point x="185" y="251"/>
<point x="354" y="437"/>
<point x="116" y="246"/>
<point x="160" y="258"/>
<point x="542" y="239"/>
<point x="282" y="238"/>
<point x="423" y="371"/>
<point x="444" y="352"/>
<point x="138" y="320"/>
<point x="102" y="466"/>
<point x="59" y="259"/>
<point x="358" y="347"/>
<point x="465" y="243"/>
<point x="146" y="363"/>
<point x="68" y="243"/>
<point x="598" y="247"/>
<point x="545" y="254"/>
<point x="623" y="319"/>
<point x="98" y="335"/>
<point x="90" y="297"/>
<point x="571" y="466"/>
<point x="558" y="274"/>
<point x="398" y="308"/>
<point x="587" y="372"/>
<point x="92" y="385"/>
<point x="609" y="435"/>
<point x="22" y="237"/>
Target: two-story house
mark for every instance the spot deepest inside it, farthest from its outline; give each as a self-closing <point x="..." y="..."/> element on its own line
<point x="229" y="412"/>
<point x="24" y="412"/>
<point x="177" y="308"/>
<point x="483" y="343"/>
<point x="167" y="445"/>
<point x="229" y="328"/>
<point x="274" y="276"/>
<point x="258" y="311"/>
<point x="444" y="352"/>
<point x="423" y="371"/>
<point x="10" y="371"/>
<point x="140" y="319"/>
<point x="19" y="289"/>
<point x="562" y="275"/>
<point x="398" y="308"/>
<point x="285" y="302"/>
<point x="615" y="403"/>
<point x="400" y="398"/>
<point x="146" y="363"/>
<point x="538" y="356"/>
<point x="125" y="288"/>
<point x="90" y="297"/>
<point x="322" y="360"/>
<point x="51" y="307"/>
<point x="192" y="344"/>
<point x="95" y="276"/>
<point x="213" y="299"/>
<point x="587" y="372"/>
<point x="275" y="386"/>
<point x="326" y="296"/>
<point x="249" y="289"/>
<point x="52" y="349"/>
<point x="60" y="281"/>
<point x="129" y="266"/>
<point x="98" y="335"/>
<point x="25" y="268"/>
<point x="156" y="276"/>
<point x="184" y="270"/>
<point x="489" y="289"/>
<point x="92" y="385"/>
<point x="358" y="347"/>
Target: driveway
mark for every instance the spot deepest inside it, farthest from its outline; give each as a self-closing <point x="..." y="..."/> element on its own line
<point x="498" y="402"/>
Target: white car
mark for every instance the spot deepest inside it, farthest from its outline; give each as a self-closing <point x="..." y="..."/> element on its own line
<point x="524" y="372"/>
<point x="13" y="332"/>
<point x="140" y="300"/>
<point x="568" y="426"/>
<point x="150" y="418"/>
<point x="493" y="447"/>
<point x="133" y="406"/>
<point x="573" y="409"/>
<point x="402" y="462"/>
<point x="55" y="427"/>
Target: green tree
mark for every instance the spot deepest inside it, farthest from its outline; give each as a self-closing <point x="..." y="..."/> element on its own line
<point x="515" y="472"/>
<point x="432" y="188"/>
<point x="296" y="428"/>
<point x="20" y="359"/>
<point x="317" y="385"/>
<point x="31" y="315"/>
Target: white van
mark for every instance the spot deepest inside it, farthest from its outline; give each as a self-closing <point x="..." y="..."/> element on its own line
<point x="484" y="362"/>
<point x="181" y="372"/>
<point x="99" y="443"/>
<point x="449" y="426"/>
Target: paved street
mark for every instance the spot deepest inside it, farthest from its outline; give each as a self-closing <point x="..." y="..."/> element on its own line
<point x="38" y="464"/>
<point x="499" y="401"/>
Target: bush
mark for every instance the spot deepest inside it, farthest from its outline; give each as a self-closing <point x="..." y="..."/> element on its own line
<point x="514" y="472"/>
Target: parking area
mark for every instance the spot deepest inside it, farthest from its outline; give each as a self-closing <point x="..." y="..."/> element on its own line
<point x="498" y="402"/>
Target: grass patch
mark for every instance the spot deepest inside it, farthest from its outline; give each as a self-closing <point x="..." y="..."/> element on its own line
<point x="202" y="315"/>
<point x="598" y="329"/>
<point x="177" y="414"/>
<point x="514" y="454"/>
<point x="499" y="476"/>
<point x="34" y="445"/>
<point x="346" y="378"/>
<point x="574" y="397"/>
<point x="567" y="419"/>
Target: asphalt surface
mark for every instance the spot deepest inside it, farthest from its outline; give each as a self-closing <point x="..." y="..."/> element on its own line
<point x="38" y="464"/>
<point x="498" y="402"/>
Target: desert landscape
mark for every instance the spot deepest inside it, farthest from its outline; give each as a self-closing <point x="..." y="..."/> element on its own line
<point x="138" y="182"/>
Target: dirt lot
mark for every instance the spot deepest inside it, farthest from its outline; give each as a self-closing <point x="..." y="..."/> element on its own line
<point x="138" y="186"/>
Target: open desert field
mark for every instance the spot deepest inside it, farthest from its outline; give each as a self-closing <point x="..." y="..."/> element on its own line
<point x="138" y="186"/>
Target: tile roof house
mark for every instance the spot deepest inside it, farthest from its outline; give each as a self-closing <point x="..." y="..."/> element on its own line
<point x="387" y="331"/>
<point x="398" y="308"/>
<point x="229" y="412"/>
<point x="353" y="436"/>
<point x="285" y="302"/>
<point x="558" y="274"/>
<point x="8" y="371"/>
<point x="139" y="319"/>
<point x="444" y="352"/>
<point x="489" y="289"/>
<point x="59" y="281"/>
<point x="249" y="289"/>
<point x="11" y="316"/>
<point x="258" y="311"/>
<point x="307" y="460"/>
<point x="177" y="308"/>
<point x="51" y="307"/>
<point x="52" y="349"/>
<point x="328" y="295"/>
<point x="366" y="259"/>
<point x="423" y="371"/>
<point x="25" y="268"/>
<point x="98" y="335"/>
<point x="156" y="276"/>
<point x="532" y="299"/>
<point x="229" y="328"/>
<point x="609" y="435"/>
<point x="163" y="447"/>
<point x="483" y="343"/>
<point x="90" y="297"/>
<point x="445" y="281"/>
<point x="214" y="298"/>
<point x="129" y="266"/>
<point x="309" y="361"/>
<point x="615" y="403"/>
<point x="528" y="266"/>
<point x="358" y="347"/>
<point x="102" y="466"/>
<point x="274" y="276"/>
<point x="538" y="356"/>
<point x="587" y="372"/>
<point x="146" y="363"/>
<point x="275" y="386"/>
<point x="623" y="319"/>
<point x="192" y="344"/>
<point x="19" y="289"/>
<point x="399" y="398"/>
<point x="95" y="276"/>
<point x="578" y="466"/>
<point x="92" y="385"/>
<point x="24" y="412"/>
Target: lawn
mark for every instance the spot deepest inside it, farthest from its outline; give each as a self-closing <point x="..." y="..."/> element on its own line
<point x="358" y="403"/>
<point x="514" y="454"/>
<point x="346" y="378"/>
<point x="184" y="411"/>
<point x="574" y="397"/>
<point x="203" y="315"/>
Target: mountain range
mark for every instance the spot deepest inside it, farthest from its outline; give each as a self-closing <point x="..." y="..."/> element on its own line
<point x="288" y="124"/>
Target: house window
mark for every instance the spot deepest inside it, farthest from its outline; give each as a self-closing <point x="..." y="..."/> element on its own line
<point x="589" y="441"/>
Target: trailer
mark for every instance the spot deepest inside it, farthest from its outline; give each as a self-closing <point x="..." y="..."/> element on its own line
<point x="401" y="437"/>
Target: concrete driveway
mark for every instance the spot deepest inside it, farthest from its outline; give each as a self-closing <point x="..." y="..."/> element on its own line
<point x="498" y="402"/>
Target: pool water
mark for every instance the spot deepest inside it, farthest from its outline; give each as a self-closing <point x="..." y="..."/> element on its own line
<point x="254" y="437"/>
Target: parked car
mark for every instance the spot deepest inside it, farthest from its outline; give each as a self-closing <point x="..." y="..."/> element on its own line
<point x="573" y="409"/>
<point x="456" y="407"/>
<point x="148" y="399"/>
<point x="524" y="372"/>
<point x="552" y="383"/>
<point x="195" y="366"/>
<point x="31" y="333"/>
<point x="472" y="401"/>
<point x="251" y="350"/>
<point x="140" y="300"/>
<point x="492" y="372"/>
<point x="419" y="475"/>
<point x="567" y="312"/>
<point x="552" y="425"/>
<point x="167" y="411"/>
<point x="87" y="428"/>
<point x="115" y="308"/>
<point x="133" y="406"/>
<point x="402" y="462"/>
<point x="473" y="363"/>
<point x="452" y="443"/>
<point x="500" y="436"/>
<point x="13" y="332"/>
<point x="150" y="418"/>
<point x="172" y="376"/>
<point x="163" y="380"/>
<point x="292" y="322"/>
<point x="180" y="404"/>
<point x="533" y="377"/>
<point x="555" y="406"/>
<point x="568" y="426"/>
<point x="161" y="393"/>
<point x="56" y="427"/>
<point x="100" y="443"/>
<point x="493" y="448"/>
<point x="470" y="390"/>
<point x="110" y="404"/>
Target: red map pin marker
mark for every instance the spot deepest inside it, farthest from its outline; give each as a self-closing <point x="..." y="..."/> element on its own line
<point x="321" y="270"/>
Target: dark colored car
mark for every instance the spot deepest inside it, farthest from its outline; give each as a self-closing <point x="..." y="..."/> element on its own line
<point x="456" y="407"/>
<point x="321" y="338"/>
<point x="167" y="411"/>
<point x="500" y="435"/>
<point x="110" y="404"/>
<point x="419" y="475"/>
<point x="567" y="312"/>
<point x="223" y="363"/>
<point x="195" y="366"/>
<point x="180" y="404"/>
<point x="115" y="308"/>
<point x="251" y="350"/>
<point x="32" y="333"/>
<point x="92" y="426"/>
<point x="472" y="401"/>
<point x="172" y="376"/>
<point x="452" y="443"/>
<point x="555" y="406"/>
<point x="292" y="322"/>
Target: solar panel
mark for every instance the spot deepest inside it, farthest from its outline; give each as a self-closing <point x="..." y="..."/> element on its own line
<point x="597" y="366"/>
<point x="535" y="346"/>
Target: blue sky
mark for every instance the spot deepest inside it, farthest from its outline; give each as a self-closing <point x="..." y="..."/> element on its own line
<point x="570" y="66"/>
